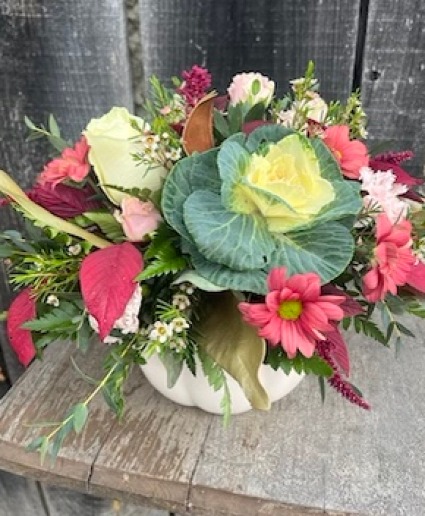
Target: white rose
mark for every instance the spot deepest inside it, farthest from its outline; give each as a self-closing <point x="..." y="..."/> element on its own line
<point x="252" y="88"/>
<point x="113" y="142"/>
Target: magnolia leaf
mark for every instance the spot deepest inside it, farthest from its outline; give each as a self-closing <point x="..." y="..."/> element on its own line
<point x="107" y="283"/>
<point x="21" y="310"/>
<point x="198" y="131"/>
<point x="234" y="346"/>
<point x="43" y="217"/>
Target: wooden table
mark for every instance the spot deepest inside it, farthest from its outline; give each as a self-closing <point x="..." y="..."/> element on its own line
<point x="300" y="458"/>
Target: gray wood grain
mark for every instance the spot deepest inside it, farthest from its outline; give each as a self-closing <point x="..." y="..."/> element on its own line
<point x="394" y="75"/>
<point x="300" y="458"/>
<point x="20" y="496"/>
<point x="274" y="37"/>
<point x="336" y="457"/>
<point x="66" y="58"/>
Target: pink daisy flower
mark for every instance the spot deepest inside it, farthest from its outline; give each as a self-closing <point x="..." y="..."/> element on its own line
<point x="351" y="154"/>
<point x="71" y="165"/>
<point x="295" y="314"/>
<point x="393" y="259"/>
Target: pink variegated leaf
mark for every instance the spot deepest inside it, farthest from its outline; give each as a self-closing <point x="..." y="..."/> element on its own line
<point x="107" y="282"/>
<point x="350" y="306"/>
<point x="339" y="350"/>
<point x="21" y="311"/>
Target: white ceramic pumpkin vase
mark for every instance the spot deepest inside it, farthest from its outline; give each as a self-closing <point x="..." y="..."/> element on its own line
<point x="195" y="391"/>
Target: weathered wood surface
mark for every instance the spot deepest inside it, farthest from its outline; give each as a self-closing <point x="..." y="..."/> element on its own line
<point x="274" y="37"/>
<point x="393" y="83"/>
<point x="300" y="458"/>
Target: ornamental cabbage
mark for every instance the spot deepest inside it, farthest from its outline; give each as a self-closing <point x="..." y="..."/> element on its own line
<point x="274" y="198"/>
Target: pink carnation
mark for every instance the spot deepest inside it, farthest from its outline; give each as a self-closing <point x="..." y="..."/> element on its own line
<point x="393" y="259"/>
<point x="72" y="165"/>
<point x="351" y="154"/>
<point x="138" y="218"/>
<point x="294" y="314"/>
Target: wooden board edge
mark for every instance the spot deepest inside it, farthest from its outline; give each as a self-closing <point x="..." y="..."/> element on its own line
<point x="143" y="490"/>
<point x="204" y="500"/>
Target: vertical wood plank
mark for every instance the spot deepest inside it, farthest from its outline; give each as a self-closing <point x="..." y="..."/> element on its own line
<point x="66" y="58"/>
<point x="394" y="75"/>
<point x="20" y="496"/>
<point x="274" y="37"/>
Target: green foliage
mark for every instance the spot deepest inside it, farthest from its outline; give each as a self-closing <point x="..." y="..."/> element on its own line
<point x="52" y="134"/>
<point x="217" y="380"/>
<point x="117" y="365"/>
<point x="107" y="223"/>
<point x="46" y="271"/>
<point x="278" y="359"/>
<point x="162" y="255"/>
<point x="173" y="363"/>
<point x="68" y="321"/>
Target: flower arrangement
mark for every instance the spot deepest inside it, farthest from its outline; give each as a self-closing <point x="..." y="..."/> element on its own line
<point x="263" y="215"/>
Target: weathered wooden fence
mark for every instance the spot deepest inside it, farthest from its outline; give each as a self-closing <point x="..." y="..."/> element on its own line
<point x="72" y="59"/>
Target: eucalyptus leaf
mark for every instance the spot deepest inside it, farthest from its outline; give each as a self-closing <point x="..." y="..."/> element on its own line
<point x="233" y="345"/>
<point x="80" y="413"/>
<point x="173" y="366"/>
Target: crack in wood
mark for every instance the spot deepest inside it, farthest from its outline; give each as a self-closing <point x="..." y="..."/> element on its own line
<point x="188" y="503"/>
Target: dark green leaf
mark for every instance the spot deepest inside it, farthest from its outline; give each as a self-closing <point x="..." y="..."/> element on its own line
<point x="322" y="388"/>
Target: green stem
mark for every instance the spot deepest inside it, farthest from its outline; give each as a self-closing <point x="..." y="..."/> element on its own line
<point x="93" y="394"/>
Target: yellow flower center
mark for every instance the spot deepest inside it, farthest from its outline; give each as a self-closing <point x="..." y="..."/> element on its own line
<point x="290" y="310"/>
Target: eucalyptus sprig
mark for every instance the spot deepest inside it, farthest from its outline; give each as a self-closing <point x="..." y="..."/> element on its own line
<point x="111" y="385"/>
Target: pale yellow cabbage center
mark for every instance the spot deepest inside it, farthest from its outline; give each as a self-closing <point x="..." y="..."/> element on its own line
<point x="289" y="172"/>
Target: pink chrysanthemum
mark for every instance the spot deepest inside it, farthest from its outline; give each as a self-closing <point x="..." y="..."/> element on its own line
<point x="393" y="259"/>
<point x="197" y="80"/>
<point x="295" y="314"/>
<point x="351" y="154"/>
<point x="72" y="164"/>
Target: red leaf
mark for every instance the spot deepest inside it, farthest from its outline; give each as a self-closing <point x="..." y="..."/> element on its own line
<point x="339" y="351"/>
<point x="401" y="175"/>
<point x="107" y="282"/>
<point x="62" y="200"/>
<point x="20" y="311"/>
<point x="350" y="306"/>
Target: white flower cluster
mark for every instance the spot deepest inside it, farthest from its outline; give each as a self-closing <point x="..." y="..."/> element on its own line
<point x="382" y="193"/>
<point x="157" y="148"/>
<point x="311" y="107"/>
<point x="170" y="333"/>
<point x="128" y="322"/>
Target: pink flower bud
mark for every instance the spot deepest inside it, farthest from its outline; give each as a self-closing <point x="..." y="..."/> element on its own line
<point x="138" y="218"/>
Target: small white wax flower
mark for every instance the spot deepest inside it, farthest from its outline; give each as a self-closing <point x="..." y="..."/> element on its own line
<point x="74" y="250"/>
<point x="52" y="300"/>
<point x="179" y="324"/>
<point x="382" y="192"/>
<point x="181" y="301"/>
<point x="187" y="288"/>
<point x="161" y="332"/>
<point x="252" y="88"/>
<point x="178" y="344"/>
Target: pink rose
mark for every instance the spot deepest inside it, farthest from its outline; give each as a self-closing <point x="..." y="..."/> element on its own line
<point x="138" y="218"/>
